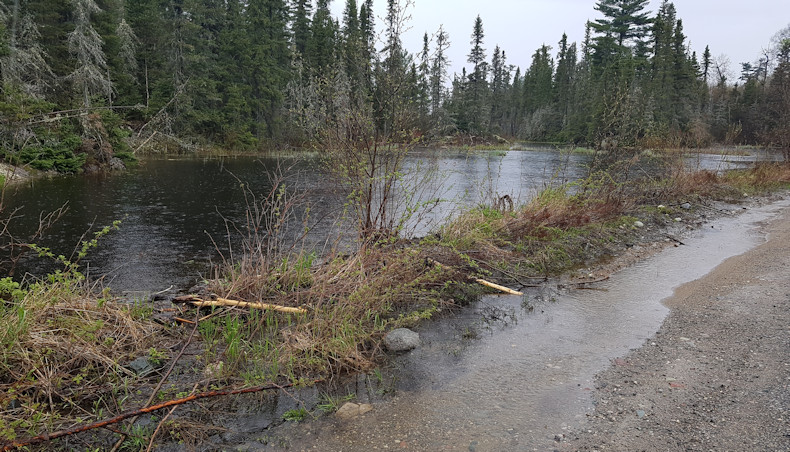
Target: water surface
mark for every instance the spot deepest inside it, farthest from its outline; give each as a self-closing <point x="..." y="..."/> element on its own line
<point x="177" y="213"/>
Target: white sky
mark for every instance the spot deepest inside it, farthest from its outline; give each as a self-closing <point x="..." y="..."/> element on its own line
<point x="735" y="28"/>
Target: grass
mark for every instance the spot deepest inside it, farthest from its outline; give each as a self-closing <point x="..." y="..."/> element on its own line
<point x="62" y="353"/>
<point x="63" y="343"/>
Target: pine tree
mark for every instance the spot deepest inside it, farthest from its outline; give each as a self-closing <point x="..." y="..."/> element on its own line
<point x="498" y="85"/>
<point x="354" y="53"/>
<point x="270" y="60"/>
<point x="622" y="30"/>
<point x="563" y="82"/>
<point x="423" y="83"/>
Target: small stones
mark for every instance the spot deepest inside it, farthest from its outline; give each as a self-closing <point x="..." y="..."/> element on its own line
<point x="685" y="206"/>
<point x="639" y="224"/>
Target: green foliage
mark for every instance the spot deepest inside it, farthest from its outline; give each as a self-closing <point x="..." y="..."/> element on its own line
<point x="295" y="415"/>
<point x="59" y="156"/>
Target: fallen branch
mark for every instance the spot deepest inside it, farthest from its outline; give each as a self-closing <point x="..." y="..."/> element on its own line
<point x="114" y="420"/>
<point x="224" y="302"/>
<point x="145" y="142"/>
<point x="482" y="281"/>
<point x="496" y="286"/>
<point x="162" y="380"/>
<point x="674" y="239"/>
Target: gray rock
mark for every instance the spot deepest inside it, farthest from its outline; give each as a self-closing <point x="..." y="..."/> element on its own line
<point x="351" y="410"/>
<point x="117" y="164"/>
<point x="639" y="224"/>
<point x="142" y="366"/>
<point x="685" y="206"/>
<point x="401" y="340"/>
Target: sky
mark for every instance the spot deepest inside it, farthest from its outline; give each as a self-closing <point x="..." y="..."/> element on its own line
<point x="736" y="29"/>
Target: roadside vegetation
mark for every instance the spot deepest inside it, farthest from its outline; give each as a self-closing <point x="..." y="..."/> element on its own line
<point x="68" y="346"/>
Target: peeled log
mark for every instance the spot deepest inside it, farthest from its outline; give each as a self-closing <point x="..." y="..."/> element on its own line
<point x="497" y="287"/>
<point x="224" y="302"/>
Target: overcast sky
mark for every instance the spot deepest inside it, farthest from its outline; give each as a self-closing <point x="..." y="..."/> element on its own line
<point x="738" y="29"/>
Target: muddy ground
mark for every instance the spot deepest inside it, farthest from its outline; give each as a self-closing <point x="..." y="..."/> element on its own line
<point x="716" y="377"/>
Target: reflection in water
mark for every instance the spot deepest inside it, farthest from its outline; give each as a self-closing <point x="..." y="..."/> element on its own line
<point x="174" y="211"/>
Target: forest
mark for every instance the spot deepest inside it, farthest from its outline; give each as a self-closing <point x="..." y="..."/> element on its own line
<point x="88" y="80"/>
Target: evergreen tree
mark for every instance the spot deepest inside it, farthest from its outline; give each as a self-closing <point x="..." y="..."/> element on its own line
<point x="270" y="60"/>
<point x="563" y="82"/>
<point x="438" y="77"/>
<point x="23" y="63"/>
<point x="354" y="54"/>
<point x="323" y="36"/>
<point x="624" y="26"/>
<point x="478" y="80"/>
<point x="301" y="27"/>
<point x="500" y="79"/>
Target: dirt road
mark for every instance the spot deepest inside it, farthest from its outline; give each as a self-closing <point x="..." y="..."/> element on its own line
<point x="716" y="377"/>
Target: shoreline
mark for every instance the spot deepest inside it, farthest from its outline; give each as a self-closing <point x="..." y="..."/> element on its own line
<point x="715" y="376"/>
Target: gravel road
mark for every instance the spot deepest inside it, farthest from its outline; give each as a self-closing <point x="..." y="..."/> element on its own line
<point x="716" y="377"/>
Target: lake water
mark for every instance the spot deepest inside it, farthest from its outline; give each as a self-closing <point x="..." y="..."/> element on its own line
<point x="176" y="213"/>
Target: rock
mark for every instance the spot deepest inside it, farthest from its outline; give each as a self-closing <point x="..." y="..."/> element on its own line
<point x="639" y="224"/>
<point x="142" y="366"/>
<point x="351" y="410"/>
<point x="640" y="413"/>
<point x="678" y="220"/>
<point x="117" y="164"/>
<point x="12" y="172"/>
<point x="401" y="340"/>
<point x="685" y="206"/>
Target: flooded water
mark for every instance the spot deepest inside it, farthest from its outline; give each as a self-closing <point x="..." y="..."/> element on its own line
<point x="514" y="372"/>
<point x="174" y="211"/>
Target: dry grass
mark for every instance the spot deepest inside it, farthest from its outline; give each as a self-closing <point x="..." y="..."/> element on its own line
<point x="61" y="346"/>
<point x="62" y="352"/>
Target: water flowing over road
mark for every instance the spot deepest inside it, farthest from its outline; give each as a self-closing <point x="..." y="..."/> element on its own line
<point x="516" y="373"/>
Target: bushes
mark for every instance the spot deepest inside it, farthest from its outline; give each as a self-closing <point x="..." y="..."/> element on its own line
<point x="54" y="155"/>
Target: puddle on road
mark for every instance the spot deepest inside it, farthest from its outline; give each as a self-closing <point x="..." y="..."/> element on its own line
<point x="516" y="382"/>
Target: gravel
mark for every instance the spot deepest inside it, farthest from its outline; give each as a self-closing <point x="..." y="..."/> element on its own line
<point x="717" y="374"/>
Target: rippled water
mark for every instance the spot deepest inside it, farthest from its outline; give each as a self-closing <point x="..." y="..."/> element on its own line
<point x="174" y="210"/>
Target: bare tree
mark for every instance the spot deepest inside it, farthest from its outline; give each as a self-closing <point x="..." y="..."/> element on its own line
<point x="25" y="65"/>
<point x="128" y="46"/>
<point x="90" y="75"/>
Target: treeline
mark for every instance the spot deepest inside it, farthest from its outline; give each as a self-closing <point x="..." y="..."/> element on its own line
<point x="79" y="76"/>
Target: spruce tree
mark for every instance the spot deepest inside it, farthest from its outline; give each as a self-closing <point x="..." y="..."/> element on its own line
<point x="323" y="36"/>
<point x="269" y="62"/>
<point x="477" y="79"/>
<point x="301" y="26"/>
<point x="439" y="65"/>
